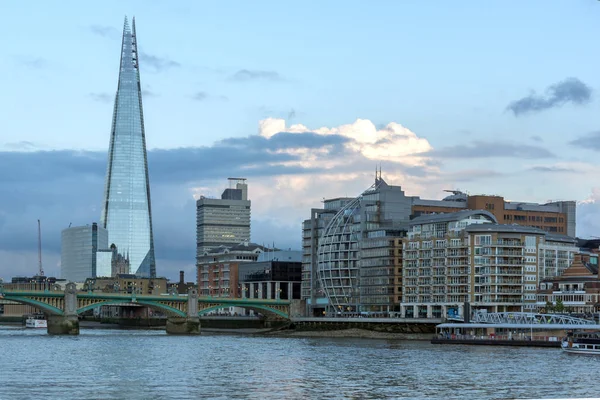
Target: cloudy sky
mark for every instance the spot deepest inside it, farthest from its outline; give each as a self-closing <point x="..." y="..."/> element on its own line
<point x="303" y="99"/>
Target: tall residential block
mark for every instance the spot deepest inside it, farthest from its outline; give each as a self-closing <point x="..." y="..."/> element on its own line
<point x="224" y="221"/>
<point x="467" y="257"/>
<point x="79" y="245"/>
<point x="126" y="210"/>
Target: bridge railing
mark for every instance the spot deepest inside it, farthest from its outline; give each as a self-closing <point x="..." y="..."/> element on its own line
<point x="528" y="318"/>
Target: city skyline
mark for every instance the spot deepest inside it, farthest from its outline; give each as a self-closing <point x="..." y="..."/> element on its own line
<point x="451" y="101"/>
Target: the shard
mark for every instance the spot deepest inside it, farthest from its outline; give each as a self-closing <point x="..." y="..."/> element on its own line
<point x="126" y="210"/>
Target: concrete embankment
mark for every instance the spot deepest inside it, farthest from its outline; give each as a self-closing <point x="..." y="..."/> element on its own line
<point x="349" y="333"/>
<point x="493" y="342"/>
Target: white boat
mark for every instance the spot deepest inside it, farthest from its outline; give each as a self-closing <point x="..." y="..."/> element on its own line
<point x="582" y="343"/>
<point x="35" y="322"/>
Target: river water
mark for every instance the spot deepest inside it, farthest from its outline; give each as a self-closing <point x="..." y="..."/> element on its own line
<point x="133" y="364"/>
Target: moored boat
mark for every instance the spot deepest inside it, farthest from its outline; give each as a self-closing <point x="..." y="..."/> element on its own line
<point x="582" y="343"/>
<point x="36" y="322"/>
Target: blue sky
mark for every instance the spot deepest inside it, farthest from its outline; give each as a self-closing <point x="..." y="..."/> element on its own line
<point x="448" y="72"/>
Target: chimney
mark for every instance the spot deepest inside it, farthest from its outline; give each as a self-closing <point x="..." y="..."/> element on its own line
<point x="181" y="279"/>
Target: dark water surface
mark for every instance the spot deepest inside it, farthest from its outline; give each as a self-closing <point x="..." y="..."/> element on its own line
<point x="117" y="364"/>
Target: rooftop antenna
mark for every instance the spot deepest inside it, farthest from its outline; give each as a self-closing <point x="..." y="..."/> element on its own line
<point x="41" y="270"/>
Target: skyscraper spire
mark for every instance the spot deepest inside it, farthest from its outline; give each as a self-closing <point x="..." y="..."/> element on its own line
<point x="126" y="210"/>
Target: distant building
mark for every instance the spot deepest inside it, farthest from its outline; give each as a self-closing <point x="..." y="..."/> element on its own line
<point x="274" y="275"/>
<point x="554" y="217"/>
<point x="180" y="287"/>
<point x="79" y="245"/>
<point x="218" y="269"/>
<point x="224" y="221"/>
<point x="110" y="263"/>
<point x="127" y="284"/>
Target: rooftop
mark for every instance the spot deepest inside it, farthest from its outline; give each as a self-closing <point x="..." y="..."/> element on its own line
<point x="503" y="228"/>
<point x="452" y="216"/>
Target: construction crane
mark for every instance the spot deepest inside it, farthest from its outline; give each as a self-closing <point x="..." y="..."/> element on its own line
<point x="41" y="270"/>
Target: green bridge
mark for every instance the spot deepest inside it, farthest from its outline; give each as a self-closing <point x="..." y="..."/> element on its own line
<point x="63" y="307"/>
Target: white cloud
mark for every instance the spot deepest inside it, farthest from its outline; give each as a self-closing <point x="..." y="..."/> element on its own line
<point x="392" y="143"/>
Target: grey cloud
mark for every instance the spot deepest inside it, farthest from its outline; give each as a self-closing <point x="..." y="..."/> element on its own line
<point x="537" y="138"/>
<point x="468" y="175"/>
<point x="590" y="141"/>
<point x="102" y="97"/>
<point x="203" y="96"/>
<point x="551" y="169"/>
<point x="23" y="145"/>
<point x="200" y="96"/>
<point x="32" y="62"/>
<point x="146" y="93"/>
<point x="571" y="90"/>
<point x="251" y="155"/>
<point x="284" y="140"/>
<point x="245" y="75"/>
<point x="157" y="64"/>
<point x="105" y="31"/>
<point x="480" y="149"/>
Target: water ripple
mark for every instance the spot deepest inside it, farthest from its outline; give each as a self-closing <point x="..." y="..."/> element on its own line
<point x="115" y="364"/>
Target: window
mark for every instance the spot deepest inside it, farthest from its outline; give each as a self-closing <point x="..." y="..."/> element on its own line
<point x="483" y="240"/>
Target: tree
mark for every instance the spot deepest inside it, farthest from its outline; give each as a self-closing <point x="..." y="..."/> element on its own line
<point x="549" y="307"/>
<point x="560" y="307"/>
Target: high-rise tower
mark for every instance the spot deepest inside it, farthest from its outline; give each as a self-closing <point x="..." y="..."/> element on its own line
<point x="126" y="210"/>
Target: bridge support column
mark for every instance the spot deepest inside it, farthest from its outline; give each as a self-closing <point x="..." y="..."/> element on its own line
<point x="189" y="325"/>
<point x="68" y="323"/>
<point x="183" y="326"/>
<point x="63" y="325"/>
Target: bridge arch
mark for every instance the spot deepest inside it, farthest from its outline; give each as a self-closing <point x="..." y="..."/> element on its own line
<point x="150" y="304"/>
<point x="253" y="307"/>
<point x="45" y="307"/>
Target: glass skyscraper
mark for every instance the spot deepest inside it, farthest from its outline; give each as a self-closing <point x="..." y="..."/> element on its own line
<point x="126" y="210"/>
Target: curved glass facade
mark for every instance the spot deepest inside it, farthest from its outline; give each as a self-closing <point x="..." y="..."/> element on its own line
<point x="126" y="211"/>
<point x="338" y="258"/>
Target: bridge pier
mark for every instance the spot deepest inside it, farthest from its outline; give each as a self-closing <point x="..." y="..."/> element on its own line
<point x="68" y="323"/>
<point x="183" y="326"/>
<point x="63" y="325"/>
<point x="189" y="325"/>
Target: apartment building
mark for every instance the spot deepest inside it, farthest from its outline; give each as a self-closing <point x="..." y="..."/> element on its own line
<point x="467" y="257"/>
<point x="576" y="290"/>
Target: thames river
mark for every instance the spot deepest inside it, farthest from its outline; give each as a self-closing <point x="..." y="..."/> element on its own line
<point x="127" y="364"/>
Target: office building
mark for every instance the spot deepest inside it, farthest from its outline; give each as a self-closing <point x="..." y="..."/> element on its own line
<point x="554" y="217"/>
<point x="79" y="245"/>
<point x="224" y="221"/>
<point x="126" y="209"/>
<point x="350" y="252"/>
<point x="275" y="275"/>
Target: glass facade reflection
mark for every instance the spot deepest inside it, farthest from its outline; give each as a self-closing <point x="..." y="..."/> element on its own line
<point x="126" y="211"/>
